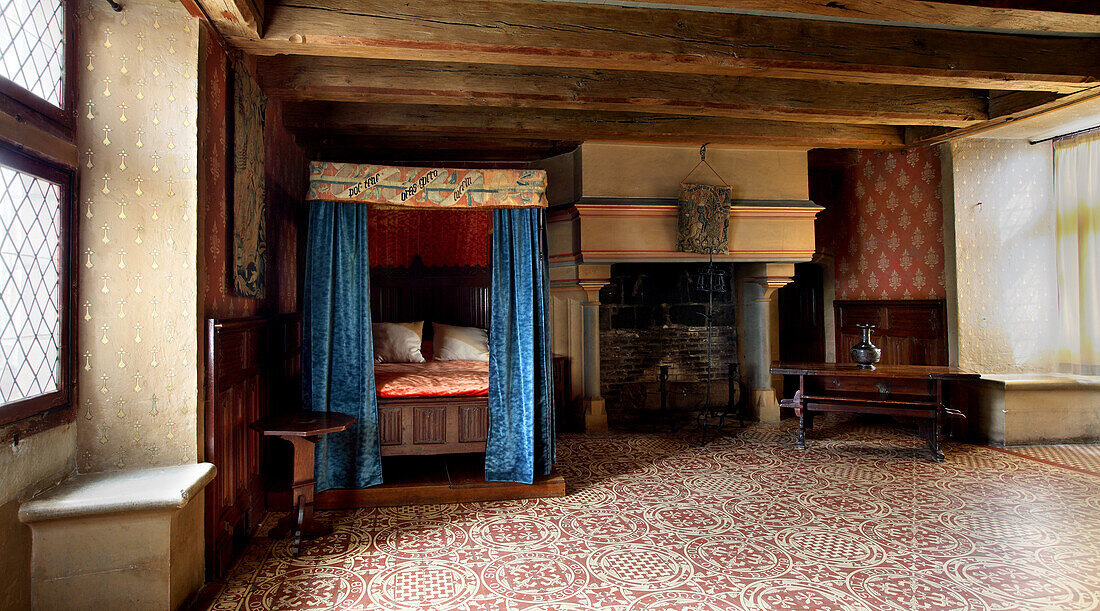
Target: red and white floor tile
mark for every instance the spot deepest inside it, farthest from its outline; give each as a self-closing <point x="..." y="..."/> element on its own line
<point x="860" y="520"/>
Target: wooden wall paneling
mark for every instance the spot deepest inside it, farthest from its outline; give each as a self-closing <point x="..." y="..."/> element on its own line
<point x="235" y="397"/>
<point x="253" y="368"/>
<point x="909" y="331"/>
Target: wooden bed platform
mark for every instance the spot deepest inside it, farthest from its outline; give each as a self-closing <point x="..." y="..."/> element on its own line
<point x="429" y="480"/>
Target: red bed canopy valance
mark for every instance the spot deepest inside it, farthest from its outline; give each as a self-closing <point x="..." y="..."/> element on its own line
<point x="426" y="188"/>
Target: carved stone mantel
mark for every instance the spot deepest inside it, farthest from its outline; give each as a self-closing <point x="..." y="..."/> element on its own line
<point x="604" y="231"/>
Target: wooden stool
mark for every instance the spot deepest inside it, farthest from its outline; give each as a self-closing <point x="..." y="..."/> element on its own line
<point x="303" y="430"/>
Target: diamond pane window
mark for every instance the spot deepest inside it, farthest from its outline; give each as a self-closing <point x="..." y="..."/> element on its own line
<point x="30" y="285"/>
<point x="32" y="47"/>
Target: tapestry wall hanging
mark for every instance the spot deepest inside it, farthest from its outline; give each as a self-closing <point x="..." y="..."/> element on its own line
<point x="404" y="187"/>
<point x="704" y="219"/>
<point x="249" y="233"/>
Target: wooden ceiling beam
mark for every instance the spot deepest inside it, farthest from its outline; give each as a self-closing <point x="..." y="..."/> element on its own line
<point x="368" y="119"/>
<point x="339" y="147"/>
<point x="605" y="37"/>
<point x="337" y="79"/>
<point x="231" y="18"/>
<point x="1008" y="102"/>
<point x="928" y="136"/>
<point x="1052" y="17"/>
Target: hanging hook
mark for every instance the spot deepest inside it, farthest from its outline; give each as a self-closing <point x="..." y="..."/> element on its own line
<point x="115" y="6"/>
<point x="703" y="161"/>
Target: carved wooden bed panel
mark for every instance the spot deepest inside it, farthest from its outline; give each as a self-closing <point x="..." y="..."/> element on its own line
<point x="411" y="426"/>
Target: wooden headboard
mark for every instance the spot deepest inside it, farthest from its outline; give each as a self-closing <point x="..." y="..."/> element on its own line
<point x="450" y="295"/>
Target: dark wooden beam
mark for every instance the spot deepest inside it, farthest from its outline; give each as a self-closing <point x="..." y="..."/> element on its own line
<point x="1051" y="16"/>
<point x="369" y="119"/>
<point x="433" y="147"/>
<point x="571" y="35"/>
<point x="341" y="79"/>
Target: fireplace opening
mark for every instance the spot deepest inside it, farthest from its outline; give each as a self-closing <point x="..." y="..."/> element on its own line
<point x="654" y="315"/>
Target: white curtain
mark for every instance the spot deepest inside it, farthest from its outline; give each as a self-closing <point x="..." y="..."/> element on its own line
<point x="1077" y="192"/>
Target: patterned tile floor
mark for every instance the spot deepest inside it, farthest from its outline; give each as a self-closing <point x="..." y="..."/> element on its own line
<point x="860" y="520"/>
<point x="1081" y="456"/>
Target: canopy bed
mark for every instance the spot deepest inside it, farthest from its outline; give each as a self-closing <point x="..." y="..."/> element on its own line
<point x="500" y="401"/>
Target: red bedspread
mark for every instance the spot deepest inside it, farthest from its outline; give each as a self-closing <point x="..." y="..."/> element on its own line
<point x="432" y="379"/>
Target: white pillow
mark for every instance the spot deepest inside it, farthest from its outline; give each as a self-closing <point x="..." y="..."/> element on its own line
<point x="398" y="342"/>
<point x="460" y="343"/>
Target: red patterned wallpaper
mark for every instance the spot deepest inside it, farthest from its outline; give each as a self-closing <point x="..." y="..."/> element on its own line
<point x="887" y="232"/>
<point x="286" y="175"/>
<point x="450" y="237"/>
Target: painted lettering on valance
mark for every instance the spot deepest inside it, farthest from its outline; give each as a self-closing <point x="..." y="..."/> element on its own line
<point x="426" y="187"/>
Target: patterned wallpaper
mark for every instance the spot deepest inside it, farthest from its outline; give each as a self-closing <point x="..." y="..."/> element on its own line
<point x="452" y="237"/>
<point x="136" y="334"/>
<point x="888" y="232"/>
<point x="1005" y="255"/>
<point x="286" y="179"/>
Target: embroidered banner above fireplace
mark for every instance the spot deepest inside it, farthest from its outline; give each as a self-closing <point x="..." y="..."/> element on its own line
<point x="426" y="187"/>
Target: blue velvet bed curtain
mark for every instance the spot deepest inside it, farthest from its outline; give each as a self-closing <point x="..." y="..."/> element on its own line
<point x="521" y="408"/>
<point x="337" y="348"/>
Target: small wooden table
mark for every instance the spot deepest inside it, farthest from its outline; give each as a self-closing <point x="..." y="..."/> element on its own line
<point x="896" y="390"/>
<point x="303" y="430"/>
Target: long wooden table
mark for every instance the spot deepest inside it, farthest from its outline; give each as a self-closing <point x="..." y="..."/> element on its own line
<point x="896" y="390"/>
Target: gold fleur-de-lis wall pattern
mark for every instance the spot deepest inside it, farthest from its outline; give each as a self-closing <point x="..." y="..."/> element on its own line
<point x="137" y="322"/>
<point x="1005" y="254"/>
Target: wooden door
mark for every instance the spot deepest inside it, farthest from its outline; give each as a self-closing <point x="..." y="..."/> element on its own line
<point x="801" y="316"/>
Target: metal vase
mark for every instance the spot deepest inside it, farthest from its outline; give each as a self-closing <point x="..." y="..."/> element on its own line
<point x="865" y="354"/>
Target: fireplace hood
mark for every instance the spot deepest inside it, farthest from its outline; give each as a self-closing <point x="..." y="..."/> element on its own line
<point x="615" y="203"/>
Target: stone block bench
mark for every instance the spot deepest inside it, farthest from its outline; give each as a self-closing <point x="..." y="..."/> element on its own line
<point x="1036" y="408"/>
<point x="119" y="540"/>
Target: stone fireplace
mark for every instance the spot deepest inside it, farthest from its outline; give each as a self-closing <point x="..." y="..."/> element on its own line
<point x="654" y="315"/>
<point x="623" y="299"/>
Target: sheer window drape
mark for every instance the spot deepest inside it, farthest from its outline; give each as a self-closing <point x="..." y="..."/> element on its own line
<point x="1077" y="193"/>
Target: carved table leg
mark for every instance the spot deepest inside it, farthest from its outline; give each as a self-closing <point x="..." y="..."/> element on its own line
<point x="934" y="439"/>
<point x="300" y="520"/>
<point x="802" y="415"/>
<point x="934" y="423"/>
<point x="805" y="418"/>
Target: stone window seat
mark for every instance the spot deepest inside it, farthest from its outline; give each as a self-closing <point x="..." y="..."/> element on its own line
<point x="119" y="540"/>
<point x="1037" y="408"/>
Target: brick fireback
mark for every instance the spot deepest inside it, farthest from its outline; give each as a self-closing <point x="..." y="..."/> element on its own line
<point x="653" y="314"/>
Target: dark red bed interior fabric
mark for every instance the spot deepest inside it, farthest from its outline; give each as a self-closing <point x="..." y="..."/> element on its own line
<point x="441" y="238"/>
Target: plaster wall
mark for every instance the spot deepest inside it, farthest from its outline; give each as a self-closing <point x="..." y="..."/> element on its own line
<point x="137" y="326"/>
<point x="1005" y="255"/>
<point x="28" y="467"/>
